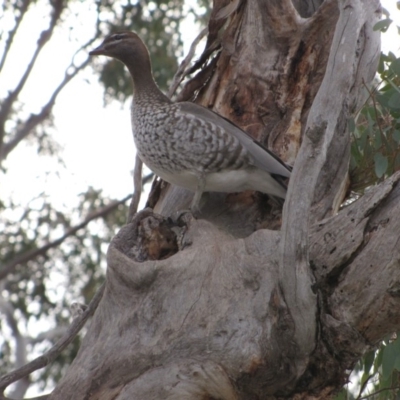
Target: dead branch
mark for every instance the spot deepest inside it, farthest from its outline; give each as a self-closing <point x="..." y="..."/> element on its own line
<point x="30" y="255"/>
<point x="11" y="33"/>
<point x="183" y="70"/>
<point x="50" y="355"/>
<point x="24" y="129"/>
<point x="322" y="133"/>
<point x="35" y="119"/>
<point x="42" y="40"/>
<point x="137" y="184"/>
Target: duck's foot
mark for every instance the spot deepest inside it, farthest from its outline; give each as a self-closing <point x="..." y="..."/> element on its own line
<point x="183" y="217"/>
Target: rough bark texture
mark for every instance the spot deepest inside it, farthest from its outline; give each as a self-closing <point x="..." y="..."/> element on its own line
<point x="264" y="79"/>
<point x="211" y="308"/>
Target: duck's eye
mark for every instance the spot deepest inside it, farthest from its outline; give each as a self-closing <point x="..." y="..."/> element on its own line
<point x="118" y="36"/>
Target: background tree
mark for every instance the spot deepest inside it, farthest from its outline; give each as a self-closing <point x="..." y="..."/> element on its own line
<point x="53" y="255"/>
<point x="259" y="340"/>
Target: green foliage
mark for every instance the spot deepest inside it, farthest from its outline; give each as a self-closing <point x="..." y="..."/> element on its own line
<point x="375" y="154"/>
<point x="158" y="23"/>
<point x="39" y="292"/>
<point x="376" y="128"/>
<point x="43" y="289"/>
<point x="377" y="375"/>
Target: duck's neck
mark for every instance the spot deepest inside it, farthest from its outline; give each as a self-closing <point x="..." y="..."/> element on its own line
<point x="145" y="88"/>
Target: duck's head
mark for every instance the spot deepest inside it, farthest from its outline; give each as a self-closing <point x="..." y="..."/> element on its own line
<point x="123" y="46"/>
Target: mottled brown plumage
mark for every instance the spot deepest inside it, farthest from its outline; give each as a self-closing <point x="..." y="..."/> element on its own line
<point x="187" y="144"/>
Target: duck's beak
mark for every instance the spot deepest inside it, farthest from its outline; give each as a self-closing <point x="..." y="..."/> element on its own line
<point x="98" y="51"/>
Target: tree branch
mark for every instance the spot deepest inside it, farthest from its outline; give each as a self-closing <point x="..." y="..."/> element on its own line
<point x="368" y="396"/>
<point x="325" y="130"/>
<point x="50" y="355"/>
<point x="30" y="255"/>
<point x="364" y="385"/>
<point x="137" y="184"/>
<point x="18" y="19"/>
<point x="13" y="95"/>
<point x="183" y="70"/>
<point x="35" y="119"/>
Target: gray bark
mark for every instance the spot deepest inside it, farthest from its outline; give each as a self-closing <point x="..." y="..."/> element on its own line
<point x="210" y="309"/>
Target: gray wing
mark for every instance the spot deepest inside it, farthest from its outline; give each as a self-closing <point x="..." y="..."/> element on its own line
<point x="262" y="157"/>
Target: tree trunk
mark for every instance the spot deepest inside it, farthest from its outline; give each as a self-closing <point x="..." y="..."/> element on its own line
<point x="217" y="308"/>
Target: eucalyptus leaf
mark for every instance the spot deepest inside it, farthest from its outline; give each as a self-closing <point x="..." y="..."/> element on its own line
<point x="394" y="101"/>
<point x="395" y="66"/>
<point x="396" y="135"/>
<point x="382" y="25"/>
<point x="368" y="361"/>
<point x="388" y="361"/>
<point x="381" y="164"/>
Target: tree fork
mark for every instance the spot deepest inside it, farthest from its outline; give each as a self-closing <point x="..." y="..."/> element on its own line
<point x="232" y="313"/>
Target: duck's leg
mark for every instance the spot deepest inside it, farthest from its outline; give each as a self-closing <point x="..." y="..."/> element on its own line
<point x="201" y="183"/>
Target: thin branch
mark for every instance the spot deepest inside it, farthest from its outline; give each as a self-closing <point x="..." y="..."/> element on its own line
<point x="50" y="355"/>
<point x="228" y="10"/>
<point x="179" y="76"/>
<point x="368" y="396"/>
<point x="364" y="385"/>
<point x="370" y="94"/>
<point x="30" y="255"/>
<point x="43" y="39"/>
<point x="183" y="70"/>
<point x="137" y="183"/>
<point x="18" y="19"/>
<point x="325" y="130"/>
<point x="35" y="119"/>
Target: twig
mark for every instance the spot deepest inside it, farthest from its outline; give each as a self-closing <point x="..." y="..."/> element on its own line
<point x="44" y="37"/>
<point x="30" y="255"/>
<point x="179" y="76"/>
<point x="182" y="70"/>
<point x="36" y="119"/>
<point x="137" y="184"/>
<point x="371" y="95"/>
<point x="50" y="355"/>
<point x="363" y="386"/>
<point x="11" y="33"/>
<point x="27" y="127"/>
<point x="379" y="391"/>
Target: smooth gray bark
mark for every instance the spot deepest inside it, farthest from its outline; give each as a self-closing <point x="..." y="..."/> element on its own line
<point x="218" y="313"/>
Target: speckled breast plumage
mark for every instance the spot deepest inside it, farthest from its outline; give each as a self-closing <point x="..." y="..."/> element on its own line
<point x="170" y="140"/>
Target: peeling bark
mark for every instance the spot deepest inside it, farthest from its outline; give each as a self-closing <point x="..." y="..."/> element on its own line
<point x="164" y="327"/>
<point x="214" y="308"/>
<point x="268" y="70"/>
